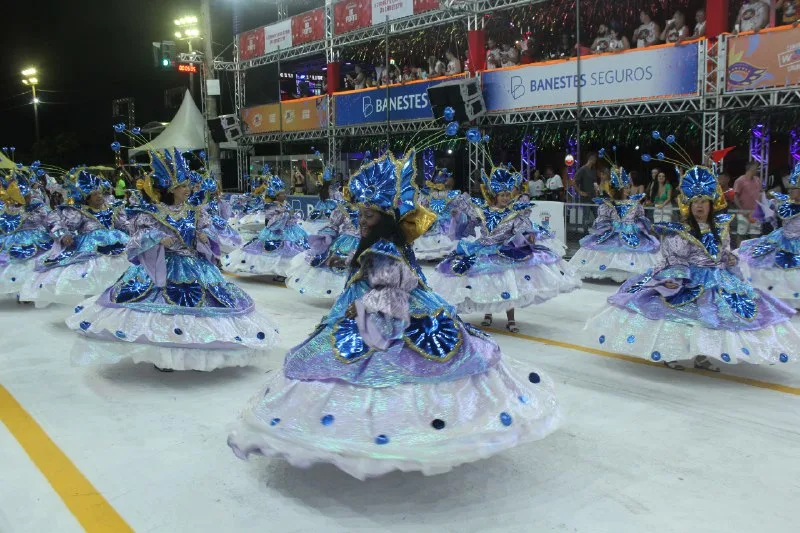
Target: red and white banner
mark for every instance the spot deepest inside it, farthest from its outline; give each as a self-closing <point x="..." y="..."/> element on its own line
<point x="278" y="36"/>
<point x="251" y="44"/>
<point x="425" y="5"/>
<point x="351" y="15"/>
<point x="308" y="27"/>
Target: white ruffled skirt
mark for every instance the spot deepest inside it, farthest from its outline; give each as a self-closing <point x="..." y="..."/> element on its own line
<point x="316" y="282"/>
<point x="432" y="247"/>
<point x="622" y="331"/>
<point x="778" y="282"/>
<point x="269" y="264"/>
<point x="368" y="432"/>
<point x="14" y="275"/>
<point x="510" y="289"/>
<point x="73" y="283"/>
<point x="169" y="341"/>
<point x="618" y="266"/>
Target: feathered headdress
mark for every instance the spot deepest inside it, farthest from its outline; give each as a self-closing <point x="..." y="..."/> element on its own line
<point x="794" y="177"/>
<point x="619" y="176"/>
<point x="258" y="183"/>
<point x="170" y="170"/>
<point x="328" y="170"/>
<point x="697" y="181"/>
<point x="439" y="180"/>
<point x="274" y="186"/>
<point x="500" y="179"/>
<point x="16" y="185"/>
<point x="79" y="184"/>
<point x="388" y="185"/>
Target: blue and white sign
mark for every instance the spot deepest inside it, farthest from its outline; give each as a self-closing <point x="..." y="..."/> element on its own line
<point x="636" y="75"/>
<point x="403" y="102"/>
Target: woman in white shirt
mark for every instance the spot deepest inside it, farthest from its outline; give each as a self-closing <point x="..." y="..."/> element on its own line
<point x="647" y="34"/>
<point x="453" y="64"/>
<point x="554" y="185"/>
<point x="617" y="42"/>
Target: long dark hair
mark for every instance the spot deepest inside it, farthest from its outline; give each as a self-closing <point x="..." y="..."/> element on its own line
<point x="325" y="191"/>
<point x="387" y="229"/>
<point x="696" y="226"/>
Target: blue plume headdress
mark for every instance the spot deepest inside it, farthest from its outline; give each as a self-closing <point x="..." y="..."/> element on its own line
<point x="439" y="179"/>
<point x="500" y="179"/>
<point x="794" y="177"/>
<point x="275" y="186"/>
<point x="79" y="184"/>
<point x="170" y="169"/>
<point x="619" y="176"/>
<point x="388" y="185"/>
<point x="698" y="182"/>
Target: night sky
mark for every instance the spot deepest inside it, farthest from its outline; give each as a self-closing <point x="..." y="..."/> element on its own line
<point x="89" y="53"/>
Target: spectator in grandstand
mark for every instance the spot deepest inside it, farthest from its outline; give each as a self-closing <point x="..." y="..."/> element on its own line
<point x="492" y="54"/>
<point x="790" y="11"/>
<point x="531" y="52"/>
<point x="564" y="49"/>
<point x="553" y="184"/>
<point x="636" y="184"/>
<point x="753" y="16"/>
<point x="298" y="182"/>
<point x="453" y="64"/>
<point x="536" y="186"/>
<point x="509" y="56"/>
<point x="617" y="42"/>
<point x="601" y="42"/>
<point x="357" y="81"/>
<point x="747" y="191"/>
<point x="700" y="24"/>
<point x="604" y="188"/>
<point x="660" y="193"/>
<point x="648" y="33"/>
<point x="675" y="30"/>
<point x="436" y="67"/>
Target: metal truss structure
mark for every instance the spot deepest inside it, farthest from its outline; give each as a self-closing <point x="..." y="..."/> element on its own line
<point x="707" y="109"/>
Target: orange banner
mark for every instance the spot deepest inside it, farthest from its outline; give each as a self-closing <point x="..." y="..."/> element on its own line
<point x="305" y="114"/>
<point x="764" y="59"/>
<point x="261" y="119"/>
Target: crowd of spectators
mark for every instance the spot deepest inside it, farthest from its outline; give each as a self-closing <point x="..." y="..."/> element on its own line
<point x="363" y="78"/>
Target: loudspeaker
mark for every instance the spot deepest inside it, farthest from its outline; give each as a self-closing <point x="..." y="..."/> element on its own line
<point x="229" y="121"/>
<point x="463" y="95"/>
<point x="216" y="130"/>
<point x="233" y="133"/>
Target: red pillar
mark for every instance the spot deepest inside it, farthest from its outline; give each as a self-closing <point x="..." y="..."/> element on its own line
<point x="477" y="50"/>
<point x="334" y="71"/>
<point x="716" y="18"/>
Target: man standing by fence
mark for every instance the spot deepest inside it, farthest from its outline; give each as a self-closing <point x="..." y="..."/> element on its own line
<point x="747" y="191"/>
<point x="586" y="180"/>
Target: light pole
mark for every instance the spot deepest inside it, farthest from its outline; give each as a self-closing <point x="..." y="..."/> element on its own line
<point x="188" y="31"/>
<point x="30" y="79"/>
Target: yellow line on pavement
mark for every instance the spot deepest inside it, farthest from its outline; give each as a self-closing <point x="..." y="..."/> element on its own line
<point x="612" y="355"/>
<point x="93" y="512"/>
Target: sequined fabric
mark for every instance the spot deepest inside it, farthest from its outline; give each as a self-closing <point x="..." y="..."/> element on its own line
<point x="621" y="227"/>
<point x="389" y="290"/>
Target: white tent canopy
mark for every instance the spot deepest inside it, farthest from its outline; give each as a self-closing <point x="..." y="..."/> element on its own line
<point x="185" y="132"/>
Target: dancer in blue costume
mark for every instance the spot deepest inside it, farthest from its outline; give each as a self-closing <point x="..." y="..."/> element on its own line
<point x="772" y="262"/>
<point x="323" y="270"/>
<point x="694" y="304"/>
<point x="90" y="241"/>
<point x="217" y="210"/>
<point x="438" y="196"/>
<point x="281" y="240"/>
<point x="619" y="244"/>
<point x="392" y="379"/>
<point x="252" y="217"/>
<point x="322" y="211"/>
<point x="172" y="307"/>
<point x="505" y="268"/>
<point x="24" y="230"/>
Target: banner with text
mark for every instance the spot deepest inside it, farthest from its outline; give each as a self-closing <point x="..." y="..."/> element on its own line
<point x="403" y="102"/>
<point x="761" y="60"/>
<point x="261" y="119"/>
<point x="350" y="15"/>
<point x="308" y="27"/>
<point x="646" y="74"/>
<point x="278" y="36"/>
<point x="251" y="44"/>
<point x="305" y="114"/>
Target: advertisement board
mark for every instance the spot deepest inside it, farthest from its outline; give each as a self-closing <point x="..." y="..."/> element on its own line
<point x="762" y="60"/>
<point x="646" y="74"/>
<point x="402" y="102"/>
<point x="278" y="36"/>
<point x="251" y="44"/>
<point x="308" y="27"/>
<point x="350" y="15"/>
<point x="261" y="119"/>
<point x="305" y="114"/>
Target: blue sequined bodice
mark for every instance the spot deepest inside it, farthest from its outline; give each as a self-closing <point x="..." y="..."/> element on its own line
<point x="185" y="226"/>
<point x="788" y="210"/>
<point x="9" y="222"/>
<point x="105" y="217"/>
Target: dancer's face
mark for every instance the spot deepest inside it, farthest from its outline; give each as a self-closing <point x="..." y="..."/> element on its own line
<point x="96" y="200"/>
<point x="369" y="218"/>
<point x="281" y="197"/>
<point x="701" y="210"/>
<point x="180" y="193"/>
<point x="794" y="194"/>
<point x="503" y="199"/>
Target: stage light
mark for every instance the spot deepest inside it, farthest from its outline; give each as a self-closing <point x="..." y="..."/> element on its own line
<point x="30" y="71"/>
<point x="637" y="146"/>
<point x="449" y="150"/>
